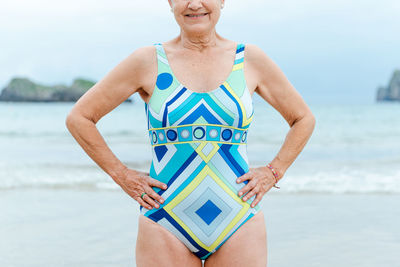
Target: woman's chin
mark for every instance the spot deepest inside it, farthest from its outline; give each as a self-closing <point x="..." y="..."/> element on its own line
<point x="200" y="27"/>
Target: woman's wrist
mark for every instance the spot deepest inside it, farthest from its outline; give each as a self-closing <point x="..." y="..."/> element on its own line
<point x="274" y="173"/>
<point x="119" y="174"/>
<point x="277" y="171"/>
<point x="278" y="167"/>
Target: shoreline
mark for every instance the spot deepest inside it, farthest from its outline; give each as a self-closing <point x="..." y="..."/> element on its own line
<point x="114" y="189"/>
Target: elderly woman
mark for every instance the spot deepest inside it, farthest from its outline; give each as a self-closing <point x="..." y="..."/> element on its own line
<point x="199" y="200"/>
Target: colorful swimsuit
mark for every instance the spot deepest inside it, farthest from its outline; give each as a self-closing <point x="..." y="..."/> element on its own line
<point x="199" y="148"/>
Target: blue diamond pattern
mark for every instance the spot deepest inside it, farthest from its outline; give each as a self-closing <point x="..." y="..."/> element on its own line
<point x="160" y="151"/>
<point x="208" y="212"/>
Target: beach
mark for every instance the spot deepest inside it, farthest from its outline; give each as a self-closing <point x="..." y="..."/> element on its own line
<point x="64" y="227"/>
<point x="338" y="202"/>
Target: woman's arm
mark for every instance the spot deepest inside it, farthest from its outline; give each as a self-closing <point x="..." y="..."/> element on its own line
<point x="275" y="88"/>
<point x="128" y="77"/>
<point x="103" y="97"/>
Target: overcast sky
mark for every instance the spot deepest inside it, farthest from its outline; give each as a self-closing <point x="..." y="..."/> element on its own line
<point x="330" y="50"/>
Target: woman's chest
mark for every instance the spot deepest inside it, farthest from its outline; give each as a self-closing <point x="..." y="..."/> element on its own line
<point x="201" y="75"/>
<point x="182" y="107"/>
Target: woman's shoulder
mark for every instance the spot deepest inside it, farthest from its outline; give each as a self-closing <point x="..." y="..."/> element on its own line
<point x="143" y="55"/>
<point x="257" y="58"/>
<point x="253" y="52"/>
<point x="140" y="63"/>
<point x="137" y="69"/>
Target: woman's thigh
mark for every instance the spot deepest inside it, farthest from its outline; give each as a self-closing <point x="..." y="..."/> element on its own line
<point x="246" y="247"/>
<point x="156" y="246"/>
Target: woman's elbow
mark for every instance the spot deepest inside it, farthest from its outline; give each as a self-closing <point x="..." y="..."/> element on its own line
<point x="70" y="120"/>
<point x="73" y="120"/>
<point x="307" y="119"/>
<point x="311" y="120"/>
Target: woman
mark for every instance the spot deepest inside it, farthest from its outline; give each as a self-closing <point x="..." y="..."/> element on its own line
<point x="200" y="199"/>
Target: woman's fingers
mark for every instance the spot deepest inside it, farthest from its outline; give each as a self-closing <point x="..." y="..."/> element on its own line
<point x="254" y="191"/>
<point x="246" y="188"/>
<point x="154" y="182"/>
<point x="244" y="177"/>
<point x="151" y="197"/>
<point x="258" y="199"/>
<point x="258" y="185"/>
<point x="143" y="203"/>
<point x="154" y="195"/>
<point x="151" y="201"/>
<point x="138" y="182"/>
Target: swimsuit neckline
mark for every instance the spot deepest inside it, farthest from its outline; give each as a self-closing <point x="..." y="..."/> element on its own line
<point x="201" y="93"/>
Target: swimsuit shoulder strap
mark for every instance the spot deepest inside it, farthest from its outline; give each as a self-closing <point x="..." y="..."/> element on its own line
<point x="239" y="56"/>
<point x="236" y="80"/>
<point x="165" y="83"/>
<point x="161" y="55"/>
<point x="162" y="62"/>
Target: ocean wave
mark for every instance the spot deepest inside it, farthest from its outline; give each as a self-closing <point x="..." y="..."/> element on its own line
<point x="322" y="182"/>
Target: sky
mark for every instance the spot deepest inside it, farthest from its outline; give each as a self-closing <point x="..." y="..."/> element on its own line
<point x="331" y="51"/>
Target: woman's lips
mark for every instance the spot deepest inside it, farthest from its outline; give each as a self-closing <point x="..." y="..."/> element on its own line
<point x="195" y="16"/>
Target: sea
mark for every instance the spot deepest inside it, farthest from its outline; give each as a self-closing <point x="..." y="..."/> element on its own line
<point x="354" y="148"/>
<point x="338" y="203"/>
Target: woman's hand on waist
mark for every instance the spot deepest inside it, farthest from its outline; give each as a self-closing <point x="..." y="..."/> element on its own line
<point x="135" y="182"/>
<point x="261" y="180"/>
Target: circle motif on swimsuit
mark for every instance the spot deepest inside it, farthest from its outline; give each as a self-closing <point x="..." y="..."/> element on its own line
<point x="237" y="136"/>
<point x="185" y="133"/>
<point x="171" y="134"/>
<point x="213" y="133"/>
<point x="164" y="80"/>
<point x="199" y="132"/>
<point x="226" y="134"/>
<point x="244" y="136"/>
<point x="154" y="137"/>
<point x="161" y="136"/>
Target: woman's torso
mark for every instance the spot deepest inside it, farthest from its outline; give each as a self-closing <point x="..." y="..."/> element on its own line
<point x="189" y="130"/>
<point x="199" y="147"/>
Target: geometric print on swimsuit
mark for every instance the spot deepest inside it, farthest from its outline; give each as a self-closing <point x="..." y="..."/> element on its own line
<point x="197" y="142"/>
<point x="207" y="150"/>
<point x="197" y="133"/>
<point x="191" y="194"/>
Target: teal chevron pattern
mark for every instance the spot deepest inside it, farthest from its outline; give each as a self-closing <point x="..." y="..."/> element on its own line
<point x="199" y="148"/>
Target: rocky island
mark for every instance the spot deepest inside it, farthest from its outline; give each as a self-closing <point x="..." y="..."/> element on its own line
<point x="21" y="89"/>
<point x="392" y="91"/>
